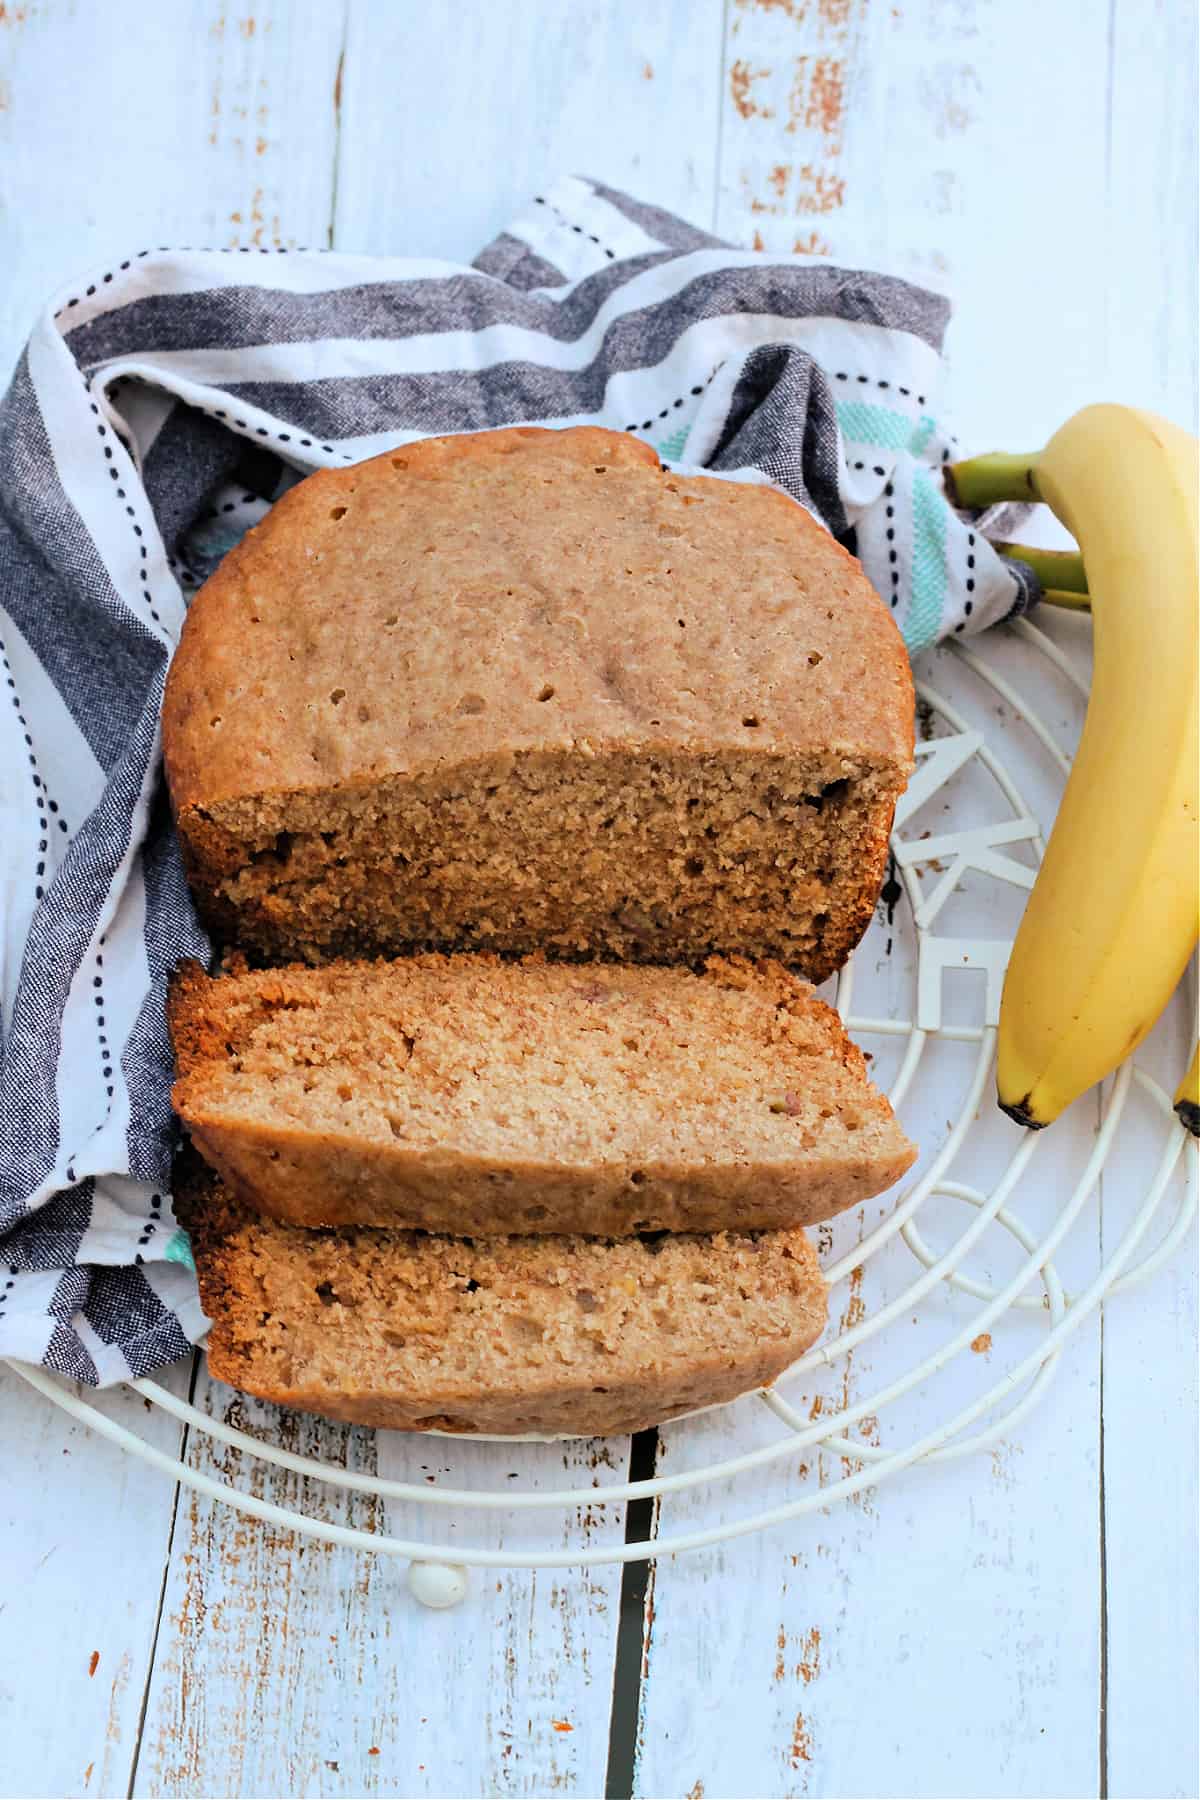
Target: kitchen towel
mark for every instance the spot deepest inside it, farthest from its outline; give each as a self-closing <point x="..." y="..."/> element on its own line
<point x="160" y="407"/>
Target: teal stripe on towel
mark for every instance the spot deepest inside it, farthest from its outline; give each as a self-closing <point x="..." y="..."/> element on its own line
<point x="928" y="563"/>
<point x="921" y="436"/>
<point x="864" y="424"/>
<point x="179" y="1250"/>
<point x="671" y="448"/>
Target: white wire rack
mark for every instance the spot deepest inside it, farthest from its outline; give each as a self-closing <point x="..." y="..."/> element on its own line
<point x="935" y="1035"/>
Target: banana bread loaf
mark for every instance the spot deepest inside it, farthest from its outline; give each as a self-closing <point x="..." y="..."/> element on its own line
<point x="554" y="1334"/>
<point x="469" y="1095"/>
<point x="524" y="690"/>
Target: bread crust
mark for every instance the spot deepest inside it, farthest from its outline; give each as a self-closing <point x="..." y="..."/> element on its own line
<point x="806" y="1138"/>
<point x="270" y="1337"/>
<point x="470" y="610"/>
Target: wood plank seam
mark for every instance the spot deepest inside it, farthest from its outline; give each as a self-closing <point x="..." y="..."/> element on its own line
<point x="633" y="1627"/>
<point x="722" y="79"/>
<point x="162" y="1587"/>
<point x="1103" y="1688"/>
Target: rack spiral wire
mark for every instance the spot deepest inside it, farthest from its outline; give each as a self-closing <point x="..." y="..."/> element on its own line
<point x="1035" y="1287"/>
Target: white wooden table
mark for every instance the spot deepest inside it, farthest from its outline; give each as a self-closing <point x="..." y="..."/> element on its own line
<point x="1019" y="1625"/>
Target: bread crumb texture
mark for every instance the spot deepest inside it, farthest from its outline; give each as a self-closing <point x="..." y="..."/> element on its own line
<point x="554" y="1334"/>
<point x="471" y="1095"/>
<point x="524" y="690"/>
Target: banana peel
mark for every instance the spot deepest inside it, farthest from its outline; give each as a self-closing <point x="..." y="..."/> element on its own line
<point x="1115" y="910"/>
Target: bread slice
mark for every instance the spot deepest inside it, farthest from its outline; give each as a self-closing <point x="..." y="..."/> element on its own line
<point x="524" y="690"/>
<point x="568" y="1335"/>
<point x="469" y="1095"/>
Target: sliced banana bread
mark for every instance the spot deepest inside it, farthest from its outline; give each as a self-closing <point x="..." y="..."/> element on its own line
<point x="567" y="1335"/>
<point x="524" y="690"/>
<point x="469" y="1095"/>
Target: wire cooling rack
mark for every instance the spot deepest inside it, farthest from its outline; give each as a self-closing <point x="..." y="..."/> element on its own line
<point x="1002" y="1246"/>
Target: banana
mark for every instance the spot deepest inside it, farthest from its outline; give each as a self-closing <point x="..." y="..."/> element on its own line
<point x="1187" y="1096"/>
<point x="1059" y="571"/>
<point x="1115" y="909"/>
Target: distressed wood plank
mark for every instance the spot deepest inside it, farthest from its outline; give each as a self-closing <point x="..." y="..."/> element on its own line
<point x="546" y="1697"/>
<point x="477" y="121"/>
<point x="1151" y="1410"/>
<point x="85" y="1532"/>
<point x="927" y="1641"/>
<point x="1154" y="167"/>
<point x="196" y="124"/>
<point x="977" y="1581"/>
<point x="540" y="1723"/>
<point x="286" y="1666"/>
<point x="542" y="1696"/>
<point x="1073" y="266"/>
<point x="201" y="127"/>
<point x="888" y="134"/>
<point x="1015" y="234"/>
<point x="794" y="79"/>
<point x="1150" y="1386"/>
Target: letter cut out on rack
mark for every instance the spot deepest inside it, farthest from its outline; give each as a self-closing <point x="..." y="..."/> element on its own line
<point x="977" y="847"/>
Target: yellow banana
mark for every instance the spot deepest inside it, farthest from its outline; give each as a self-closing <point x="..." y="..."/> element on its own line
<point x="1113" y="915"/>
<point x="1187" y="1096"/>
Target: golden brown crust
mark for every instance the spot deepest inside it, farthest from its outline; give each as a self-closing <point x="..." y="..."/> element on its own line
<point x="496" y="633"/>
<point x="473" y="1096"/>
<point x="302" y="603"/>
<point x="555" y="1335"/>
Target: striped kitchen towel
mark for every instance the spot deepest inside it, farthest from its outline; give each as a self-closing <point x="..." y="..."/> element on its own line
<point x="160" y="407"/>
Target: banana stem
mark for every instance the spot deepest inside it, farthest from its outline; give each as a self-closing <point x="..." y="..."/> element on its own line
<point x="1061" y="571"/>
<point x="987" y="480"/>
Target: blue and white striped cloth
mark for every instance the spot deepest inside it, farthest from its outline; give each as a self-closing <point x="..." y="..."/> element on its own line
<point x="159" y="408"/>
